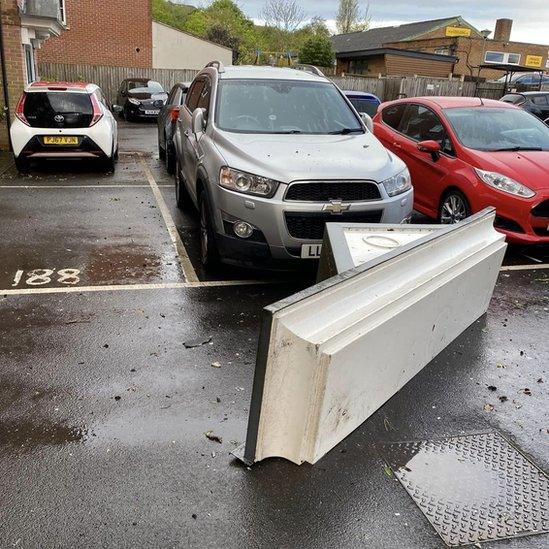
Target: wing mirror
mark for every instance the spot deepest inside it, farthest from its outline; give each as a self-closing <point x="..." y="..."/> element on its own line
<point x="431" y="147"/>
<point x="117" y="109"/>
<point x="368" y="122"/>
<point x="124" y="93"/>
<point x="198" y="121"/>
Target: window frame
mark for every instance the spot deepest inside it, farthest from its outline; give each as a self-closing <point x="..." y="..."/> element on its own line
<point x="63" y="11"/>
<point x="444" y="152"/>
<point x="505" y="57"/>
<point x="196" y="82"/>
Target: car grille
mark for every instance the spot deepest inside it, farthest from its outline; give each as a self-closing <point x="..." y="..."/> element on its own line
<point x="541" y="210"/>
<point x="324" y="191"/>
<point x="310" y="225"/>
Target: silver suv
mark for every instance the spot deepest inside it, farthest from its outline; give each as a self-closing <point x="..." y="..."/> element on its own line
<point x="269" y="155"/>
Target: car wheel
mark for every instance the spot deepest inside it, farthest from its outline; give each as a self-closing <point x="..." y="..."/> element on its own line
<point x="209" y="254"/>
<point x="170" y="159"/>
<point x="109" y="164"/>
<point x="22" y="164"/>
<point x="127" y="115"/>
<point x="454" y="207"/>
<point x="181" y="196"/>
<point x="161" y="151"/>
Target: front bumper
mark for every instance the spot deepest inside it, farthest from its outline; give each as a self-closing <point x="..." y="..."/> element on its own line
<point x="282" y="238"/>
<point x="139" y="111"/>
<point x="524" y="222"/>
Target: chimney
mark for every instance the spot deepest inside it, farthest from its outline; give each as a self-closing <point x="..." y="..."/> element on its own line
<point x="503" y="30"/>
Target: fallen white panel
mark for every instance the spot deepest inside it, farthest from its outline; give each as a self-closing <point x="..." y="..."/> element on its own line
<point x="348" y="245"/>
<point x="331" y="355"/>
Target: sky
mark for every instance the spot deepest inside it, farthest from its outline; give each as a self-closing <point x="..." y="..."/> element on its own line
<point x="531" y="17"/>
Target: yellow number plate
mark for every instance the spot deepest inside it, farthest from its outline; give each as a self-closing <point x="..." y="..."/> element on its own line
<point x="60" y="140"/>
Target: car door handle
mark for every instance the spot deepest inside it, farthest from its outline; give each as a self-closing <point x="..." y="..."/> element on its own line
<point x="397" y="145"/>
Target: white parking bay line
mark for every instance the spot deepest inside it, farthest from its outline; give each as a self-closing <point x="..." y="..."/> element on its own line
<point x="186" y="265"/>
<point x="525" y="267"/>
<point x="133" y="287"/>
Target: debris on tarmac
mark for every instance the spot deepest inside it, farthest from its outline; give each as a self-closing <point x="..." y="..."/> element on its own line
<point x="197" y="342"/>
<point x="492" y="388"/>
<point x="216" y="365"/>
<point x="488" y="407"/>
<point x="210" y="435"/>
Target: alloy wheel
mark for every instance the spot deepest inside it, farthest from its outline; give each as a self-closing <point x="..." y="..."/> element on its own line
<point x="453" y="209"/>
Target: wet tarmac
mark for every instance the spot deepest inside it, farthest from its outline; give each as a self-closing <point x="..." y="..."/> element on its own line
<point x="103" y="410"/>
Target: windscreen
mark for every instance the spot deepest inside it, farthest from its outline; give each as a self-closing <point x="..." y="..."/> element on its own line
<point x="493" y="129"/>
<point x="138" y="86"/>
<point x="58" y="109"/>
<point x="283" y="107"/>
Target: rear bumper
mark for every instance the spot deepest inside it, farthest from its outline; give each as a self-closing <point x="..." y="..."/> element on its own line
<point x="86" y="148"/>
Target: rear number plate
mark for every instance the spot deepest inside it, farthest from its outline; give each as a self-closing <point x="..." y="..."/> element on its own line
<point x="152" y="112"/>
<point x="60" y="140"/>
<point x="310" y="251"/>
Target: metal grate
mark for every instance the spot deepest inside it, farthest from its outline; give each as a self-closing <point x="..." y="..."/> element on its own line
<point x="324" y="191"/>
<point x="310" y="225"/>
<point x="473" y="488"/>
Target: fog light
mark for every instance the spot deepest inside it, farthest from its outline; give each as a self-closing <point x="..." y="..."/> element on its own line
<point x="243" y="229"/>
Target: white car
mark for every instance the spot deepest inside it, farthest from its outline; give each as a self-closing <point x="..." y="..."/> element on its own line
<point x="63" y="120"/>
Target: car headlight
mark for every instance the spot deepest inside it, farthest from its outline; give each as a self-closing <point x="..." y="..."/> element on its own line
<point x="134" y="101"/>
<point x="399" y="183"/>
<point x="247" y="183"/>
<point x="504" y="183"/>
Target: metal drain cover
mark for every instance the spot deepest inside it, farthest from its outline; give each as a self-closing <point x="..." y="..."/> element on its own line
<point x="473" y="488"/>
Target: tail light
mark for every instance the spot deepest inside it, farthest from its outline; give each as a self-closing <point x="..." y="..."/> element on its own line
<point x="20" y="109"/>
<point x="174" y="114"/>
<point x="97" y="112"/>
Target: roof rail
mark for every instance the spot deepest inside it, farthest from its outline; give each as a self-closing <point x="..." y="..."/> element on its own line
<point x="310" y="69"/>
<point x="216" y="64"/>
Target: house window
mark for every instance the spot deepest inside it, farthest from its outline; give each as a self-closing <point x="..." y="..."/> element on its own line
<point x="30" y="67"/>
<point x="62" y="12"/>
<point x="442" y="51"/>
<point x="502" y="57"/>
<point x="358" y="66"/>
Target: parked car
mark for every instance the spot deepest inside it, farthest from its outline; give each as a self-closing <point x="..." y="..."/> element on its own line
<point x="63" y="120"/>
<point x="140" y="98"/>
<point x="363" y="102"/>
<point x="167" y="118"/>
<point x="536" y="103"/>
<point x="465" y="153"/>
<point x="269" y="155"/>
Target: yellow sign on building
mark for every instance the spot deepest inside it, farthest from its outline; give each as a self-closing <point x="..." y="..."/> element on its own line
<point x="458" y="31"/>
<point x="533" y="60"/>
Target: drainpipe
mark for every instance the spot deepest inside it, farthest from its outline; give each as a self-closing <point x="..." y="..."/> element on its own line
<point x="5" y="81"/>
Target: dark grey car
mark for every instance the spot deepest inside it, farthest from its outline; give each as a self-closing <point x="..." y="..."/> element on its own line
<point x="536" y="103"/>
<point x="140" y="98"/>
<point x="166" y="124"/>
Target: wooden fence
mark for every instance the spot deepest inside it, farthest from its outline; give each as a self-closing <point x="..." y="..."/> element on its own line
<point x="386" y="88"/>
<point x="109" y="78"/>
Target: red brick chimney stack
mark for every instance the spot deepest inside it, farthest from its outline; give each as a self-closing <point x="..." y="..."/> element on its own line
<point x="503" y="30"/>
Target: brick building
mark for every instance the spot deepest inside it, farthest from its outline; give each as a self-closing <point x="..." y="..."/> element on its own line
<point x="451" y="36"/>
<point x="123" y="34"/>
<point x="115" y="33"/>
<point x="25" y="25"/>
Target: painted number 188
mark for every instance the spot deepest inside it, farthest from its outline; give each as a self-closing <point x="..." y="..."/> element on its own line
<point x="39" y="277"/>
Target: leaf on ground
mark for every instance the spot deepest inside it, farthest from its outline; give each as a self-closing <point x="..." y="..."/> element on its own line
<point x="488" y="407"/>
<point x="216" y="364"/>
<point x="213" y="437"/>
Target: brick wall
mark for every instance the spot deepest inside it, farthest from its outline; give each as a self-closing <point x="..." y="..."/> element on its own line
<point x="14" y="62"/>
<point x="470" y="52"/>
<point x="116" y="33"/>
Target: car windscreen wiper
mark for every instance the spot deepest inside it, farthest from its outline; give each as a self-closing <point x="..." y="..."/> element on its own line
<point x="287" y="132"/>
<point x="345" y="131"/>
<point x="518" y="148"/>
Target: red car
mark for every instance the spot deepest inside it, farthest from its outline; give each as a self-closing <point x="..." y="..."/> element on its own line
<point x="465" y="153"/>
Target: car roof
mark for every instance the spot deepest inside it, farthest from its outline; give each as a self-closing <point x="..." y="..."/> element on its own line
<point x="44" y="85"/>
<point x="267" y="72"/>
<point x="448" y="102"/>
<point x="137" y="79"/>
<point x="529" y="93"/>
<point x="367" y="95"/>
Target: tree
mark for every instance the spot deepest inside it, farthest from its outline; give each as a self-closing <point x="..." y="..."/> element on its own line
<point x="222" y="35"/>
<point x="317" y="50"/>
<point x="348" y="17"/>
<point x="286" y="15"/>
